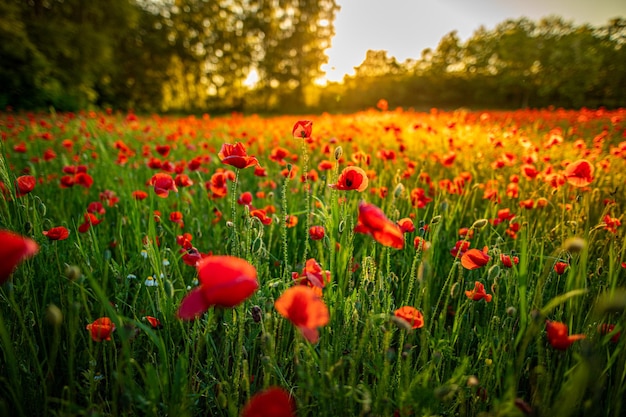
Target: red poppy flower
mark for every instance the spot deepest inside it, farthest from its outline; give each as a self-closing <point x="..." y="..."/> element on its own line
<point x="459" y="249"/>
<point x="508" y="260"/>
<point x="351" y="178"/>
<point x="406" y="225"/>
<point x="474" y="258"/>
<point x="316" y="232"/>
<point x="139" y="195"/>
<point x="273" y="402"/>
<point x="24" y="185"/>
<point x="560" y="267"/>
<point x="154" y="322"/>
<point x="57" y="233"/>
<point x="558" y="335"/>
<point x="90" y="220"/>
<point x="302" y="129"/>
<point x="420" y="243"/>
<point x="313" y="274"/>
<point x="163" y="184"/>
<point x="236" y="156"/>
<point x="261" y="214"/>
<point x="83" y="179"/>
<point x="14" y="249"/>
<point x="478" y="293"/>
<point x="245" y="199"/>
<point x="302" y="306"/>
<point x="291" y="221"/>
<point x="411" y="315"/>
<point x="101" y="329"/>
<point x="225" y="281"/>
<point x="183" y="180"/>
<point x="606" y="328"/>
<point x="579" y="173"/>
<point x="373" y="221"/>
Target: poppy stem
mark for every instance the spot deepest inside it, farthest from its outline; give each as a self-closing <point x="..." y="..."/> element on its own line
<point x="283" y="198"/>
<point x="233" y="209"/>
<point x="305" y="168"/>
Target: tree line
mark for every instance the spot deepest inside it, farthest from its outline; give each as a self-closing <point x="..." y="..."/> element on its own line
<point x="265" y="56"/>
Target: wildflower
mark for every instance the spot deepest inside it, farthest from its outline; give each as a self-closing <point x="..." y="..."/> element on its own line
<point x="90" y="220"/>
<point x="421" y="244"/>
<point x="245" y="199"/>
<point x="373" y="221"/>
<point x="411" y="315"/>
<point x="273" y="402"/>
<point x="609" y="329"/>
<point x="291" y="221"/>
<point x="474" y="258"/>
<point x="101" y="329"/>
<point x="312" y="274"/>
<point x="24" y="185"/>
<point x="351" y="178"/>
<point x="560" y="267"/>
<point x="316" y="232"/>
<point x="302" y="129"/>
<point x="57" y="233"/>
<point x="508" y="260"/>
<point x="236" y="156"/>
<point x="139" y="195"/>
<point x="406" y="225"/>
<point x="151" y="282"/>
<point x="478" y="293"/>
<point x="579" y="173"/>
<point x="13" y="250"/>
<point x="304" y="309"/>
<point x="163" y="184"/>
<point x="612" y="223"/>
<point x="261" y="214"/>
<point x="154" y="322"/>
<point x="558" y="335"/>
<point x="225" y="281"/>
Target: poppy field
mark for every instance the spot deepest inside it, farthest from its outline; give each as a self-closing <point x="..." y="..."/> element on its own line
<point x="382" y="263"/>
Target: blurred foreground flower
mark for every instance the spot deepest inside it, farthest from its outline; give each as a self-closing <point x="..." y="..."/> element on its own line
<point x="558" y="335"/>
<point x="13" y="250"/>
<point x="225" y="281"/>
<point x="411" y="315"/>
<point x="304" y="309"/>
<point x="273" y="402"/>
<point x="373" y="221"/>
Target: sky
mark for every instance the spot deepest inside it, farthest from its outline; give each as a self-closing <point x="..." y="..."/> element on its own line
<point x="405" y="28"/>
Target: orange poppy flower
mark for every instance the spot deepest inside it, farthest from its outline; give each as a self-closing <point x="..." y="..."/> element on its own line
<point x="478" y="293"/>
<point x="579" y="173"/>
<point x="421" y="244"/>
<point x="261" y="214"/>
<point x="474" y="258"/>
<point x="163" y="184"/>
<point x="24" y="185"/>
<point x="302" y="129"/>
<point x="236" y="156"/>
<point x="139" y="195"/>
<point x="101" y="329"/>
<point x="411" y="315"/>
<point x="373" y="221"/>
<point x="351" y="178"/>
<point x="558" y="335"/>
<point x="273" y="402"/>
<point x="225" y="281"/>
<point x="57" y="233"/>
<point x="316" y="232"/>
<point x="14" y="249"/>
<point x="304" y="309"/>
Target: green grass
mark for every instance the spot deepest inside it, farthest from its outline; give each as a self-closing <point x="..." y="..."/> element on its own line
<point x="470" y="358"/>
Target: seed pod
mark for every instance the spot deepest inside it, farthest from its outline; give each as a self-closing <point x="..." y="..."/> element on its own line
<point x="338" y="153"/>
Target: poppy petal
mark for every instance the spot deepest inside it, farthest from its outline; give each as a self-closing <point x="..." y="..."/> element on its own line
<point x="193" y="305"/>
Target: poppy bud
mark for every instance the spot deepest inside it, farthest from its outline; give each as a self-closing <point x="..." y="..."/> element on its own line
<point x="574" y="244"/>
<point x="257" y="314"/>
<point x="436" y="219"/>
<point x="480" y="223"/>
<point x="511" y="311"/>
<point x="72" y="272"/>
<point x="338" y="153"/>
<point x="54" y="315"/>
<point x="397" y="193"/>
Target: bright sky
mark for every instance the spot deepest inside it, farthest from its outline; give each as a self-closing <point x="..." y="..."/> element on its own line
<point x="406" y="27"/>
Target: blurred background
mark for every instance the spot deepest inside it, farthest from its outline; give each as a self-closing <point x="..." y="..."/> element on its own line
<point x="272" y="56"/>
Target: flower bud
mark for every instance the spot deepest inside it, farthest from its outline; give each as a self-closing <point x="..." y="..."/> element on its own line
<point x="338" y="153"/>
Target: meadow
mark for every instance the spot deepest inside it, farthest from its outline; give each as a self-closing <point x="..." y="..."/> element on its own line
<point x="382" y="263"/>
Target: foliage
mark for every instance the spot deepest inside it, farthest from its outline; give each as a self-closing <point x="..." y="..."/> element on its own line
<point x="511" y="272"/>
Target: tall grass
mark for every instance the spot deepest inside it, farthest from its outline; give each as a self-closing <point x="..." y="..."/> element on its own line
<point x="470" y="357"/>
